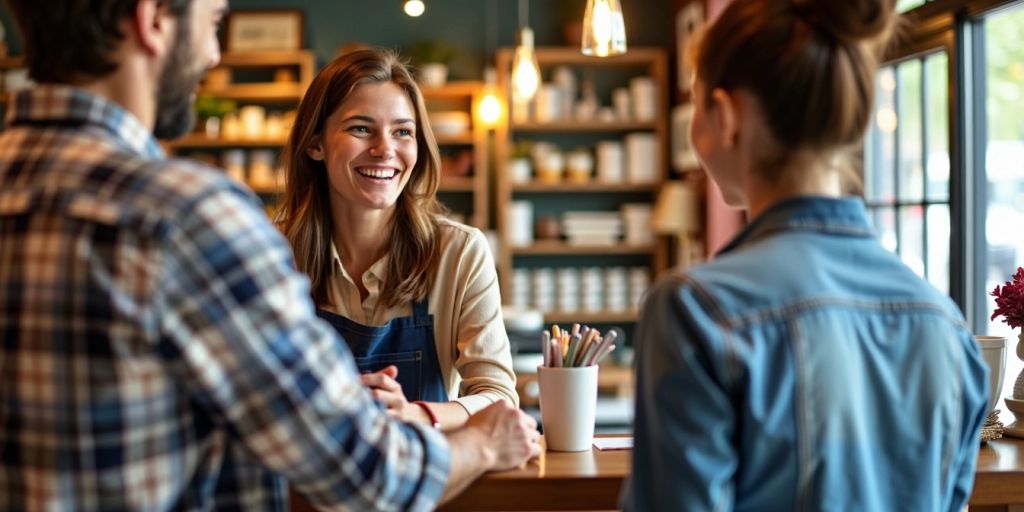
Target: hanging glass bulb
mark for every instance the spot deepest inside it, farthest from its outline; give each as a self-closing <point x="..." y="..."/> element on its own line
<point x="414" y="8"/>
<point x="604" y="29"/>
<point x="525" y="70"/>
<point x="489" y="109"/>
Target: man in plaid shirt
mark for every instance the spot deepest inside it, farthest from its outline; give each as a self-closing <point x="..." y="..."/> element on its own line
<point x="150" y="316"/>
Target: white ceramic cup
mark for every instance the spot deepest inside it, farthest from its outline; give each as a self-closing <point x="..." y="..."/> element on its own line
<point x="568" y="401"/>
<point x="993" y="351"/>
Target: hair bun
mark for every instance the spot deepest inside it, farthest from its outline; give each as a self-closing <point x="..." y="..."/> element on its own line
<point x="849" y="21"/>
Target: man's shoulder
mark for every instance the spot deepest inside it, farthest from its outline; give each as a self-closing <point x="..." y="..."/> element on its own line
<point x="164" y="187"/>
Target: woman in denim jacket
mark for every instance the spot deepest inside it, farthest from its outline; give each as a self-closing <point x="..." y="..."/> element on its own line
<point x="806" y="367"/>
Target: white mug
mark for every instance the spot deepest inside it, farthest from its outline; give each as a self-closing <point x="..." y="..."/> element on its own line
<point x="568" y="404"/>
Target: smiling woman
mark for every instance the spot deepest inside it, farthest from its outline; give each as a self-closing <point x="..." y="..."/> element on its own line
<point x="414" y="294"/>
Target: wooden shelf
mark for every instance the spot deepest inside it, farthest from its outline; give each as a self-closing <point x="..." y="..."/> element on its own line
<point x="456" y="184"/>
<point x="570" y="55"/>
<point x="649" y="62"/>
<point x="270" y="92"/>
<point x="558" y="247"/>
<point x="266" y="189"/>
<point x="591" y="187"/>
<point x="579" y="126"/>
<point x="463" y="139"/>
<point x="302" y="60"/>
<point x="201" y="141"/>
<point x="12" y="62"/>
<point x="265" y="58"/>
<point x="452" y="90"/>
<point x="591" y="317"/>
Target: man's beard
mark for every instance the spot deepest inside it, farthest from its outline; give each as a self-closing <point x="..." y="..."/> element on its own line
<point x="174" y="114"/>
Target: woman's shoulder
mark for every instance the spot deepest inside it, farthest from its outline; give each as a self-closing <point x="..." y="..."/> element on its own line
<point x="453" y="232"/>
<point x="463" y="242"/>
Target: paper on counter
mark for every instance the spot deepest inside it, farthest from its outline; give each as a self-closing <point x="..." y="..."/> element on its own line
<point x="613" y="443"/>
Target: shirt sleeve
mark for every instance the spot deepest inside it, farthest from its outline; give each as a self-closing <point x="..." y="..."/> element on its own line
<point x="483" y="358"/>
<point x="685" y="422"/>
<point x="240" y="332"/>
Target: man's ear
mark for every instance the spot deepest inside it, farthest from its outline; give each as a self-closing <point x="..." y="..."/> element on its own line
<point x="727" y="110"/>
<point x="315" y="150"/>
<point x="154" y="26"/>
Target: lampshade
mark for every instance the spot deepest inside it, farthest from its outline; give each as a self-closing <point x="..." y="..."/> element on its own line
<point x="676" y="213"/>
<point x="675" y="210"/>
<point x="525" y="70"/>
<point x="604" y="29"/>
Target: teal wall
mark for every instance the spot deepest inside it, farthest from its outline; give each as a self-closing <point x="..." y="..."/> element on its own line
<point x="464" y="23"/>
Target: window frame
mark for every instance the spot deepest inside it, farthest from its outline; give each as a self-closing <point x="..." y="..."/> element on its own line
<point x="957" y="27"/>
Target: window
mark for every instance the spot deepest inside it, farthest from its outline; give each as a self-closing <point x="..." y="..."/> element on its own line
<point x="1003" y="140"/>
<point x="906" y="179"/>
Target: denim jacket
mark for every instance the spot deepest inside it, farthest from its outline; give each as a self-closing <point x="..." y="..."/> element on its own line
<point x="806" y="368"/>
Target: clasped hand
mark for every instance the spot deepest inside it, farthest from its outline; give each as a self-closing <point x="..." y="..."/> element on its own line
<point x="386" y="390"/>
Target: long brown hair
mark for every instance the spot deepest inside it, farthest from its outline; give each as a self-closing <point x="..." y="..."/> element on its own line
<point x="809" y="63"/>
<point x="305" y="215"/>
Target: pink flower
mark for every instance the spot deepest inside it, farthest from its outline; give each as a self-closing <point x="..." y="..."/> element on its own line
<point x="1010" y="300"/>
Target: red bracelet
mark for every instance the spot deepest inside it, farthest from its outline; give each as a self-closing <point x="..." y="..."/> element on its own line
<point x="430" y="413"/>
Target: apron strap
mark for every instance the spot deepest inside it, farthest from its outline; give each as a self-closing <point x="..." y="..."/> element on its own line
<point x="420" y="309"/>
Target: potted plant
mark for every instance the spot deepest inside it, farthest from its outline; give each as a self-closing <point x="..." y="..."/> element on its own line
<point x="432" y="57"/>
<point x="209" y="111"/>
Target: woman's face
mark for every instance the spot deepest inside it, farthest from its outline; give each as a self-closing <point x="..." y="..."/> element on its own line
<point x="369" y="147"/>
<point x="708" y="134"/>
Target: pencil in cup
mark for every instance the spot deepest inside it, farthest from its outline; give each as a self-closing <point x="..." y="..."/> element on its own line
<point x="582" y="346"/>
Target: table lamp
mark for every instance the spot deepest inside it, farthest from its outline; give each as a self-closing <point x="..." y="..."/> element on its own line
<point x="676" y="213"/>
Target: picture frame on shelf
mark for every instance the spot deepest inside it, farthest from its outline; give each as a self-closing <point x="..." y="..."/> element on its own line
<point x="688" y="19"/>
<point x="264" y="30"/>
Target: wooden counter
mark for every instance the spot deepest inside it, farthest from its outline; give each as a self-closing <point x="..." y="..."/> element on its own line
<point x="592" y="481"/>
<point x="555" y="481"/>
<point x="1000" y="474"/>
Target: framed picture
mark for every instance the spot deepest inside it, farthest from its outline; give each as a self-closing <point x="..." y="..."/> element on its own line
<point x="688" y="19"/>
<point x="264" y="30"/>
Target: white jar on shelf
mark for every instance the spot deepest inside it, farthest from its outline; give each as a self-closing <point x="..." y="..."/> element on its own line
<point x="568" y="281"/>
<point x="610" y="162"/>
<point x="644" y="92"/>
<point x="543" y="288"/>
<point x="520" y="223"/>
<point x="520" y="170"/>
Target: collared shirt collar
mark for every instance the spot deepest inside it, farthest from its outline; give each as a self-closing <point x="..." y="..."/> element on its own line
<point x="843" y="216"/>
<point x="67" y="105"/>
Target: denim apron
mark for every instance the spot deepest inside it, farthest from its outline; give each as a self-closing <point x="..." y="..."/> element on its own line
<point x="406" y="342"/>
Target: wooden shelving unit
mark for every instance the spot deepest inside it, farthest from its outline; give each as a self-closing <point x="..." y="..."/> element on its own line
<point x="463" y="96"/>
<point x="276" y="95"/>
<point x="577" y="127"/>
<point x="560" y="248"/>
<point x="197" y="141"/>
<point x="593" y="187"/>
<point x="652" y="62"/>
<point x="302" y="62"/>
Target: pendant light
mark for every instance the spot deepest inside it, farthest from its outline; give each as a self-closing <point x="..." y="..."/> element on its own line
<point x="604" y="29"/>
<point x="489" y="109"/>
<point x="414" y="8"/>
<point x="525" y="70"/>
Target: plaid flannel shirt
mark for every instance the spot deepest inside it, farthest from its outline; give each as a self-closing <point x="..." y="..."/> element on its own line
<point x="151" y="324"/>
